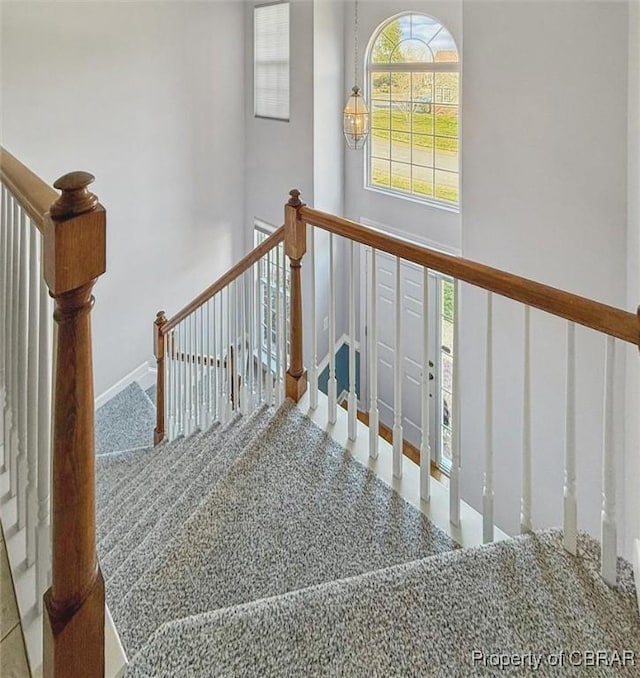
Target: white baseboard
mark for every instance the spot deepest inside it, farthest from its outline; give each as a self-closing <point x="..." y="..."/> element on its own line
<point x="636" y="568"/>
<point x="144" y="374"/>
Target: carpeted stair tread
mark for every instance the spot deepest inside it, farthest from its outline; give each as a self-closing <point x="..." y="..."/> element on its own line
<point x="424" y="618"/>
<point x="120" y="474"/>
<point x="123" y="501"/>
<point x="149" y="507"/>
<point x="294" y="510"/>
<point x="164" y="533"/>
<point x="125" y="422"/>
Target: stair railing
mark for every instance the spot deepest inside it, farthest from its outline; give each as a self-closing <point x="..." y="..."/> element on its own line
<point x="228" y="350"/>
<point x="613" y="323"/>
<point x="52" y="245"/>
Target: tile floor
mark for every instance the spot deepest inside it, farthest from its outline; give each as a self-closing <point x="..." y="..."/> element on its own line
<point x="13" y="659"/>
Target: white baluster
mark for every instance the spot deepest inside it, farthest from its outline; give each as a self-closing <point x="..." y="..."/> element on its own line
<point x="284" y="335"/>
<point x="22" y="366"/>
<point x="167" y="386"/>
<point x="235" y="345"/>
<point x="425" y="449"/>
<point x="397" y="380"/>
<point x="4" y="270"/>
<point x="525" y="505"/>
<point x="278" y="327"/>
<point x="454" y="476"/>
<point x="32" y="394"/>
<point x="258" y="310"/>
<point x="609" y="532"/>
<point x="15" y="371"/>
<point x="269" y="342"/>
<point x="487" y="490"/>
<point x="183" y="377"/>
<point x="171" y="383"/>
<point x="332" y="386"/>
<point x="250" y="288"/>
<point x="313" y="367"/>
<point x="570" y="502"/>
<point x="373" y="360"/>
<point x="226" y="374"/>
<point x="217" y="351"/>
<point x="202" y="371"/>
<point x="193" y="362"/>
<point x="45" y="353"/>
<point x="353" y="398"/>
<point x="210" y="338"/>
<point x="244" y="375"/>
<point x="7" y="329"/>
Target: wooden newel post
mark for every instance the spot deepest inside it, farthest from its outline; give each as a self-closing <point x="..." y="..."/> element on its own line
<point x="295" y="243"/>
<point x="74" y="257"/>
<point x="159" y="351"/>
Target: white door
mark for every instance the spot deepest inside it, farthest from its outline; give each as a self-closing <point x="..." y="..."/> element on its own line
<point x="438" y="363"/>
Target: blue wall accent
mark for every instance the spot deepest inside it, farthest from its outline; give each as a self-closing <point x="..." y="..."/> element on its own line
<point x="342" y="372"/>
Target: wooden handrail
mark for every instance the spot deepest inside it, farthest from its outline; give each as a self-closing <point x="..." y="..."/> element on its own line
<point x="234" y="272"/>
<point x="35" y="196"/>
<point x="595" y="315"/>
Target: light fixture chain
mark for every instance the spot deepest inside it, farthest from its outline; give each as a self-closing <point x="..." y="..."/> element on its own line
<point x="355" y="30"/>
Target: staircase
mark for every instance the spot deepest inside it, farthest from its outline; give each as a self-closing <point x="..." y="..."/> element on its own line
<point x="262" y="547"/>
<point x="260" y="529"/>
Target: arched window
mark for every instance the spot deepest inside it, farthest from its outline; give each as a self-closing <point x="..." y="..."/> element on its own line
<point x="413" y="83"/>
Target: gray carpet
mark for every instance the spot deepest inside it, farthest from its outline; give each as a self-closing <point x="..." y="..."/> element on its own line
<point x="261" y="507"/>
<point x="262" y="548"/>
<point x="524" y="597"/>
<point x="126" y="422"/>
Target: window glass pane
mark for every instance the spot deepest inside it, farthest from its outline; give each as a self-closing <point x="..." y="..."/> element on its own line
<point x="443" y="47"/>
<point x="401" y="86"/>
<point x="422" y="91"/>
<point x="401" y="146"/>
<point x="447" y="86"/>
<point x="424" y="27"/>
<point x="401" y="176"/>
<point x="401" y="116"/>
<point x="411" y="51"/>
<point x="381" y="86"/>
<point x="446" y="121"/>
<point x="446" y="154"/>
<point x="422" y="182"/>
<point x="380" y="144"/>
<point x="382" y="49"/>
<point x="422" y="150"/>
<point x="380" y="172"/>
<point x="380" y="112"/>
<point x="446" y="185"/>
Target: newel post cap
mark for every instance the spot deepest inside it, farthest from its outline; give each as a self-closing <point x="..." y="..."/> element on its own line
<point x="294" y="198"/>
<point x="75" y="237"/>
<point x="75" y="198"/>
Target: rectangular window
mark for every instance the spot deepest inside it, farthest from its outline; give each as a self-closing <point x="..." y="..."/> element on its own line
<point x="271" y="61"/>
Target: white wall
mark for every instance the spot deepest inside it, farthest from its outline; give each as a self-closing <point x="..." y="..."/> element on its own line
<point x="146" y="96"/>
<point x="543" y="195"/>
<point x="632" y="419"/>
<point x="437" y="225"/>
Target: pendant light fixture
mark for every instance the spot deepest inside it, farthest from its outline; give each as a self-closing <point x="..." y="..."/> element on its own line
<point x="356" y="114"/>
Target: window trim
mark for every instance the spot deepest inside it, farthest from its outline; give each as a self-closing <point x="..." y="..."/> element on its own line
<point x="417" y="67"/>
